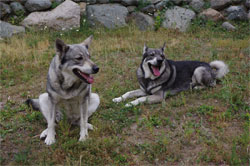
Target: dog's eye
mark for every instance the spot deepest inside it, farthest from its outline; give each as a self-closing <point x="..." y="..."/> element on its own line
<point x="152" y="54"/>
<point x="79" y="58"/>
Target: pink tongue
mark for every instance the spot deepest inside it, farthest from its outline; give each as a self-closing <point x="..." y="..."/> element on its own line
<point x="156" y="71"/>
<point x="89" y="78"/>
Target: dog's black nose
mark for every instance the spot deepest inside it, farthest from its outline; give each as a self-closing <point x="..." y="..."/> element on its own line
<point x="159" y="61"/>
<point x="95" y="69"/>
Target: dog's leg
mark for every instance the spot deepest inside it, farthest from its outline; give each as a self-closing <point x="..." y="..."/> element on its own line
<point x="83" y="121"/>
<point x="148" y="99"/>
<point x="48" y="109"/>
<point x="130" y="94"/>
<point x="94" y="102"/>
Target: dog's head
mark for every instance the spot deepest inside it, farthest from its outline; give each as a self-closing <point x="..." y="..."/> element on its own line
<point x="153" y="62"/>
<point x="75" y="59"/>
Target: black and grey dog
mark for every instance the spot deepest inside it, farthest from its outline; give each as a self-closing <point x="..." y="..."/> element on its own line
<point x="158" y="76"/>
<point x="69" y="88"/>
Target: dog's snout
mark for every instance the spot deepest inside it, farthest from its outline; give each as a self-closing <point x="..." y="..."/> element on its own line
<point x="159" y="61"/>
<point x="95" y="69"/>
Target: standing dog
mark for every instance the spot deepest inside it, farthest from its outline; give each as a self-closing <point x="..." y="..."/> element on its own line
<point x="68" y="88"/>
<point x="159" y="76"/>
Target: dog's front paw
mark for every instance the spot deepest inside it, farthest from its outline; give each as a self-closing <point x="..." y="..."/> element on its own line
<point x="50" y="139"/>
<point x="83" y="135"/>
<point x="117" y="100"/>
<point x="44" y="134"/>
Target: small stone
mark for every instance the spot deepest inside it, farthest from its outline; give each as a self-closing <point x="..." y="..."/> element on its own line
<point x="228" y="26"/>
<point x="220" y="4"/>
<point x="37" y="5"/>
<point x="197" y="5"/>
<point x="211" y="14"/>
<point x="17" y="8"/>
<point x="4" y="10"/>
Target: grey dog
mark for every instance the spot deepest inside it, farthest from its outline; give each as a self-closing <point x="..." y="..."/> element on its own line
<point x="159" y="76"/>
<point x="68" y="88"/>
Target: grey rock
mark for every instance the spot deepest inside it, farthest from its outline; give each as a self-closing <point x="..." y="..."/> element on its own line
<point x="228" y="26"/>
<point x="108" y="15"/>
<point x="236" y="13"/>
<point x="248" y="15"/>
<point x="63" y="17"/>
<point x="130" y="2"/>
<point x="4" y="10"/>
<point x="102" y="1"/>
<point x="143" y="21"/>
<point x="178" y="18"/>
<point x="211" y="14"/>
<point x="237" y="1"/>
<point x="197" y="5"/>
<point x="58" y="1"/>
<point x="17" y="8"/>
<point x="161" y="5"/>
<point x="150" y="9"/>
<point x="220" y="4"/>
<point x="7" y="30"/>
<point x="178" y="2"/>
<point x="247" y="3"/>
<point x="131" y="9"/>
<point x="37" y="5"/>
<point x="155" y="1"/>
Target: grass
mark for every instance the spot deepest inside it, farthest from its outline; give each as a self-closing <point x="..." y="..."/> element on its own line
<point x="201" y="127"/>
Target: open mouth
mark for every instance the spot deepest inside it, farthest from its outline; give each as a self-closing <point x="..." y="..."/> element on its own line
<point x="83" y="76"/>
<point x="155" y="69"/>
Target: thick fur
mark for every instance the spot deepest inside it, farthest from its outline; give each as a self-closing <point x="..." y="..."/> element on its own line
<point x="159" y="76"/>
<point x="69" y="89"/>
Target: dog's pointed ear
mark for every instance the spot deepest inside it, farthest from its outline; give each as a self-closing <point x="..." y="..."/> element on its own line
<point x="61" y="47"/>
<point x="87" y="41"/>
<point x="145" y="48"/>
<point x="163" y="47"/>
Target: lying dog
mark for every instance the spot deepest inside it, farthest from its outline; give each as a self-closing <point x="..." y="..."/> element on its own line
<point x="68" y="88"/>
<point x="159" y="76"/>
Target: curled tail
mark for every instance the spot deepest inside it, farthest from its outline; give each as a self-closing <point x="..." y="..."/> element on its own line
<point x="34" y="103"/>
<point x="221" y="68"/>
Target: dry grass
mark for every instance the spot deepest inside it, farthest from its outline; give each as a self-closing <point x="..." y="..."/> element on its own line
<point x="208" y="127"/>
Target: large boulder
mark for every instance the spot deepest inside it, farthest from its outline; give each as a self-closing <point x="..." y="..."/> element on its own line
<point x="108" y="15"/>
<point x="7" y="30"/>
<point x="178" y="18"/>
<point x="17" y="8"/>
<point x="143" y="21"/>
<point x="220" y="4"/>
<point x="211" y="14"/>
<point x="37" y="5"/>
<point x="4" y="10"/>
<point x="236" y="13"/>
<point x="197" y="5"/>
<point x="64" y="16"/>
